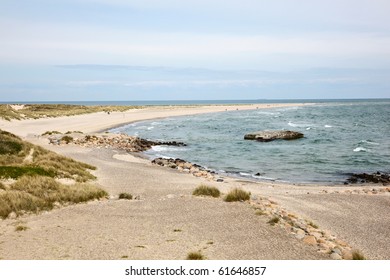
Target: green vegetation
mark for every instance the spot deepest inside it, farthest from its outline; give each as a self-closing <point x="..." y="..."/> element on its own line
<point x="274" y="221"/>
<point x="313" y="225"/>
<point x="357" y="255"/>
<point x="37" y="193"/>
<point x="21" y="228"/>
<point x="67" y="139"/>
<point x="36" y="111"/>
<point x="51" y="132"/>
<point x="206" y="191"/>
<point x="195" y="256"/>
<point x="237" y="195"/>
<point x="125" y="196"/>
<point x="260" y="212"/>
<point x="35" y="188"/>
<point x="15" y="172"/>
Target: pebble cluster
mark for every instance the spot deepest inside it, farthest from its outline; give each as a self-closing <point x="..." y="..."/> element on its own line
<point x="303" y="229"/>
<point x="187" y="167"/>
<point x="368" y="191"/>
<point x="117" y="141"/>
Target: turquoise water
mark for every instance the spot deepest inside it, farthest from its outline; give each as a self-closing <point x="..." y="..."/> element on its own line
<point x="340" y="138"/>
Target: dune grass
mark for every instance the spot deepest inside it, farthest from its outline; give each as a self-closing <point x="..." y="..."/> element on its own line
<point x="273" y="221"/>
<point x="195" y="256"/>
<point x="204" y="190"/>
<point x="36" y="111"/>
<point x="357" y="255"/>
<point x="37" y="193"/>
<point x="237" y="195"/>
<point x="36" y="188"/>
<point x="125" y="196"/>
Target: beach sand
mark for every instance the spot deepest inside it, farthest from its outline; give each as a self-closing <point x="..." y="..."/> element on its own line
<point x="167" y="222"/>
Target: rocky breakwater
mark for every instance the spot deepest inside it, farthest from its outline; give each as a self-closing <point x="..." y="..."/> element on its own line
<point x="117" y="141"/>
<point x="271" y="135"/>
<point x="187" y="167"/>
<point x="362" y="178"/>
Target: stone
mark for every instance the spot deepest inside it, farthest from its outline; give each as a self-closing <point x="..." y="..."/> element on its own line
<point x="12" y="215"/>
<point x="337" y="251"/>
<point x="335" y="256"/>
<point x="310" y="239"/>
<point x="347" y="255"/>
<point x="300" y="234"/>
<point x="270" y="135"/>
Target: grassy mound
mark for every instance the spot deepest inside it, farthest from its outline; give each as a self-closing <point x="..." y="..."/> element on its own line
<point x="206" y="191"/>
<point x="237" y="195"/>
<point x="35" y="170"/>
<point x="36" y="193"/>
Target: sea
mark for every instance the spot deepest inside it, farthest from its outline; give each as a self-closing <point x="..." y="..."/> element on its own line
<point x="341" y="137"/>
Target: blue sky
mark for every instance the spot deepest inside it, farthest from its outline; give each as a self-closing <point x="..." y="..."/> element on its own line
<point x="55" y="50"/>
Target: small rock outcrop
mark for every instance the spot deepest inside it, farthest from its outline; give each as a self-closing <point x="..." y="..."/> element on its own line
<point x="187" y="167"/>
<point x="270" y="135"/>
<point x="376" y="178"/>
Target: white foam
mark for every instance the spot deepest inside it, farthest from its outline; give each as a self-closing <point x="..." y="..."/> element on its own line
<point x="369" y="142"/>
<point x="327" y="126"/>
<point x="150" y="127"/>
<point x="308" y="128"/>
<point x="167" y="148"/>
<point x="245" y="174"/>
<point x="360" y="149"/>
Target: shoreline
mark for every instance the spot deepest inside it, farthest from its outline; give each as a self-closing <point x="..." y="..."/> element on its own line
<point x="166" y="203"/>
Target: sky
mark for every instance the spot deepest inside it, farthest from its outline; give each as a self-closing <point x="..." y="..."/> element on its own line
<point x="80" y="50"/>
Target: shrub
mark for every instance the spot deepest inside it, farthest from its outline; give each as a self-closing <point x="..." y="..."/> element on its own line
<point x="195" y="256"/>
<point x="10" y="147"/>
<point x="237" y="195"/>
<point x="67" y="139"/>
<point x="206" y="191"/>
<point x="274" y="221"/>
<point x="51" y="132"/>
<point x="357" y="255"/>
<point x="21" y="228"/>
<point x="125" y="196"/>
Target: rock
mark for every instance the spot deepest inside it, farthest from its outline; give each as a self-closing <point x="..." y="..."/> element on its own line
<point x="12" y="215"/>
<point x="300" y="234"/>
<point x="335" y="256"/>
<point x="336" y="250"/>
<point x="376" y="178"/>
<point x="347" y="255"/>
<point x="270" y="135"/>
<point x="220" y="180"/>
<point x="310" y="239"/>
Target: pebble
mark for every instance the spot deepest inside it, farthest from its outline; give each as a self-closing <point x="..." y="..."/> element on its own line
<point x="310" y="239"/>
<point x="335" y="256"/>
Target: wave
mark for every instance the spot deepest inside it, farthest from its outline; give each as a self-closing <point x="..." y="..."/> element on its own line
<point x="167" y="148"/>
<point x="360" y="149"/>
<point x="369" y="142"/>
<point x="299" y="124"/>
<point x="327" y="126"/>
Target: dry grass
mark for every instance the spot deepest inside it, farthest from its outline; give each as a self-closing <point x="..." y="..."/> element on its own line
<point x="273" y="221"/>
<point x="204" y="190"/>
<point x="36" y="111"/>
<point x="36" y="193"/>
<point x="36" y="189"/>
<point x="21" y="228"/>
<point x="357" y="255"/>
<point x="195" y="256"/>
<point x="125" y="196"/>
<point x="237" y="195"/>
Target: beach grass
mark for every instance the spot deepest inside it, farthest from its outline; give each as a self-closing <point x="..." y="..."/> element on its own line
<point x="35" y="170"/>
<point x="204" y="190"/>
<point x="357" y="255"/>
<point x="273" y="221"/>
<point x="38" y="193"/>
<point x="195" y="256"/>
<point x="36" y="111"/>
<point x="237" y="195"/>
<point x="125" y="196"/>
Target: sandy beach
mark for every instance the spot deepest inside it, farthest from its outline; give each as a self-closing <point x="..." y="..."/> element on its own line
<point x="167" y="222"/>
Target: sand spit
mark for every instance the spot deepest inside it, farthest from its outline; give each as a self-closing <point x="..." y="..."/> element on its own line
<point x="156" y="225"/>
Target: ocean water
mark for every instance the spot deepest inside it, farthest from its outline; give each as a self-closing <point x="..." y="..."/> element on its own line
<point x="340" y="138"/>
